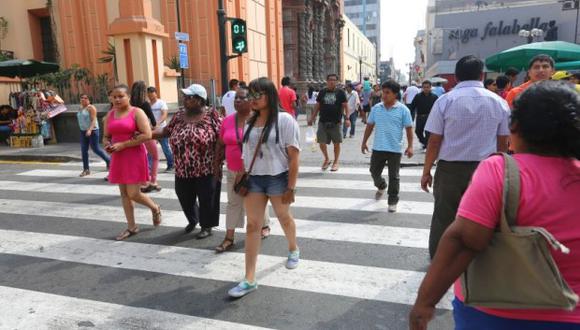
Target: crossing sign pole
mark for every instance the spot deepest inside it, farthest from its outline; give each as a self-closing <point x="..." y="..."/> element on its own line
<point x="239" y="41"/>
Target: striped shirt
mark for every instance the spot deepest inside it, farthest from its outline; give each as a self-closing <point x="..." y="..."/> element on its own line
<point x="389" y="124"/>
<point x="470" y="118"/>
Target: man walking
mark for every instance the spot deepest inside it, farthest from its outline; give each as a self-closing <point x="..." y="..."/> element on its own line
<point x="160" y="111"/>
<point x="287" y="97"/>
<point x="353" y="102"/>
<point x="421" y="105"/>
<point x="466" y="125"/>
<point x="229" y="97"/>
<point x="332" y="104"/>
<point x="390" y="117"/>
<point x="409" y="96"/>
<point x="541" y="67"/>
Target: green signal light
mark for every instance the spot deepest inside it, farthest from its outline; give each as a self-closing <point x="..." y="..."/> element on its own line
<point x="239" y="37"/>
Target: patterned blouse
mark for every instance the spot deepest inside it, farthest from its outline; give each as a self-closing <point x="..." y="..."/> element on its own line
<point x="193" y="143"/>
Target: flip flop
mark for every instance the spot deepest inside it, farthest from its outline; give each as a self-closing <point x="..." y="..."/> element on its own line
<point x="225" y="246"/>
<point x="325" y="165"/>
<point x="157" y="216"/>
<point x="334" y="168"/>
<point x="127" y="233"/>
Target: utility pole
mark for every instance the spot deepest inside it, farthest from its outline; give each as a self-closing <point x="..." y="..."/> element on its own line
<point x="223" y="56"/>
<point x="182" y="78"/>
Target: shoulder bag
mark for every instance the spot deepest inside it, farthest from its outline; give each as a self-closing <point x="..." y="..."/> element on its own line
<point x="241" y="185"/>
<point x="516" y="270"/>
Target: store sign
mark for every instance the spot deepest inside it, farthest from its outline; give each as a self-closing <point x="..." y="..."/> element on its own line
<point x="499" y="29"/>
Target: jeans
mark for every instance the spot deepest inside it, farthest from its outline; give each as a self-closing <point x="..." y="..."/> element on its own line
<point x="269" y="185"/>
<point x="93" y="141"/>
<point x="167" y="151"/>
<point x="352" y="119"/>
<point x="420" y="131"/>
<point x="393" y="161"/>
<point x="207" y="191"/>
<point x="449" y="184"/>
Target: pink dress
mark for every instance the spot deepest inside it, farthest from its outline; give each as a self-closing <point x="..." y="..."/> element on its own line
<point x="128" y="166"/>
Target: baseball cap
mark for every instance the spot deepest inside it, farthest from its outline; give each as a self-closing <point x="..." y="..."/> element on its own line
<point x="561" y="75"/>
<point x="195" y="89"/>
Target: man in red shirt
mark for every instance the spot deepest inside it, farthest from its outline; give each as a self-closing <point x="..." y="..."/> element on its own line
<point x="541" y="67"/>
<point x="287" y="97"/>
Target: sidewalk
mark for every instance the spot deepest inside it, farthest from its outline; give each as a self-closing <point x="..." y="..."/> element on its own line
<point x="311" y="156"/>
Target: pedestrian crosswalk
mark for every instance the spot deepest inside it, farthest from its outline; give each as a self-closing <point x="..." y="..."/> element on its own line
<point x="360" y="264"/>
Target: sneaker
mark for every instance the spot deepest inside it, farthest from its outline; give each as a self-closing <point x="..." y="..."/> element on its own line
<point x="169" y="169"/>
<point x="242" y="289"/>
<point x="204" y="233"/>
<point x="293" y="259"/>
<point x="379" y="194"/>
<point x="190" y="227"/>
<point x="393" y="208"/>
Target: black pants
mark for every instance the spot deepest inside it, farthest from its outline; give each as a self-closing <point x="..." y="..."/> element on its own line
<point x="449" y="185"/>
<point x="413" y="112"/>
<point x="393" y="162"/>
<point x="420" y="131"/>
<point x="207" y="191"/>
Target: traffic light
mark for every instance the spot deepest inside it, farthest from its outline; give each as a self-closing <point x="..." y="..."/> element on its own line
<point x="239" y="37"/>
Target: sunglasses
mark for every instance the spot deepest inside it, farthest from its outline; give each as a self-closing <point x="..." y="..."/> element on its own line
<point x="192" y="97"/>
<point x="241" y="98"/>
<point x="255" y="95"/>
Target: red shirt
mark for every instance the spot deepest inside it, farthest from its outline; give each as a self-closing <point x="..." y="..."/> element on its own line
<point x="514" y="92"/>
<point x="287" y="97"/>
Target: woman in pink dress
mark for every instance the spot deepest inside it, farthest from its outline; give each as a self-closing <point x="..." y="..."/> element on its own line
<point x="126" y="128"/>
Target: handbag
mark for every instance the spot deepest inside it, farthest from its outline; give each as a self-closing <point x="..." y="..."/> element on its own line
<point x="241" y="184"/>
<point x="516" y="270"/>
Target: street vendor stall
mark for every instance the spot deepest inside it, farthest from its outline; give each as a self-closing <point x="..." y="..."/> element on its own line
<point x="519" y="57"/>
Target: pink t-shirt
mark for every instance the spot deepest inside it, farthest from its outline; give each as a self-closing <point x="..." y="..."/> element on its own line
<point x="549" y="198"/>
<point x="287" y="97"/>
<point x="233" y="150"/>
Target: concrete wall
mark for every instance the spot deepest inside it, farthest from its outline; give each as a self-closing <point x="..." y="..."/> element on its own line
<point x="355" y="46"/>
<point x="20" y="38"/>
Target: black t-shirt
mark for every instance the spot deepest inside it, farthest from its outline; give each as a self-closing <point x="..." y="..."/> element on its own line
<point x="423" y="103"/>
<point x="331" y="105"/>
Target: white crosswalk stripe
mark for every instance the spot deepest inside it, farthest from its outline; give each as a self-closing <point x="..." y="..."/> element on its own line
<point x="318" y="197"/>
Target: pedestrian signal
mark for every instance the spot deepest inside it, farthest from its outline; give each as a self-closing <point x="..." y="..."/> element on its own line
<point x="239" y="36"/>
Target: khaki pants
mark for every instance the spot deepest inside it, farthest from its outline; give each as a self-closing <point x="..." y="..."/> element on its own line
<point x="450" y="183"/>
<point x="235" y="211"/>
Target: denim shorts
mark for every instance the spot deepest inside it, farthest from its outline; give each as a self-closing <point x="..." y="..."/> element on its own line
<point x="270" y="185"/>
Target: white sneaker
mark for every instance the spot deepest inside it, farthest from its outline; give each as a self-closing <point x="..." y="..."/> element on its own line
<point x="379" y="194"/>
<point x="393" y="208"/>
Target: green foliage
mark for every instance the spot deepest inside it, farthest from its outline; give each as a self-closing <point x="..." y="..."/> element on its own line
<point x="110" y="57"/>
<point x="173" y="63"/>
<point x="3" y="30"/>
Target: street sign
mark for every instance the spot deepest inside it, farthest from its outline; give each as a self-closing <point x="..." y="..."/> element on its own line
<point x="181" y="36"/>
<point x="183" y="60"/>
<point x="239" y="37"/>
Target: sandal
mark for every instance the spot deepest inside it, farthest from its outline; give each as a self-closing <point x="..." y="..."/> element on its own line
<point x="157" y="216"/>
<point x="127" y="233"/>
<point x="226" y="245"/>
<point x="85" y="173"/>
<point x="334" y="167"/>
<point x="325" y="165"/>
<point x="265" y="231"/>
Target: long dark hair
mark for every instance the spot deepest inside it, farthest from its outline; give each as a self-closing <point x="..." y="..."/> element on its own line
<point x="138" y="93"/>
<point x="267" y="87"/>
<point x="310" y="91"/>
<point x="547" y="117"/>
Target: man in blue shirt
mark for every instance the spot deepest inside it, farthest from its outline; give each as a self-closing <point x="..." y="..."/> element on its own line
<point x="390" y="117"/>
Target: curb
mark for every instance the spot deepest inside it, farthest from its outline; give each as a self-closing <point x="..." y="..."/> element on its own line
<point x="40" y="159"/>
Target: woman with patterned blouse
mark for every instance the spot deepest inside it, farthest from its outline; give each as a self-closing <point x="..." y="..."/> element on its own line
<point x="193" y="132"/>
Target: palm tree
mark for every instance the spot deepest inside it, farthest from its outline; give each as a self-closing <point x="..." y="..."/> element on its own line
<point x="80" y="75"/>
<point x="110" y="57"/>
<point x="173" y="63"/>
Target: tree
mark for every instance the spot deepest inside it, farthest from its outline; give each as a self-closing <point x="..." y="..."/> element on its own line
<point x="3" y="30"/>
<point x="110" y="57"/>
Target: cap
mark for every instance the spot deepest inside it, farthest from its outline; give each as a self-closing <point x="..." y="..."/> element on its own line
<point x="561" y="75"/>
<point x="195" y="89"/>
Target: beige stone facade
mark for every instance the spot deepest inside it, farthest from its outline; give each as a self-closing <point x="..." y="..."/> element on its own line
<point x="359" y="54"/>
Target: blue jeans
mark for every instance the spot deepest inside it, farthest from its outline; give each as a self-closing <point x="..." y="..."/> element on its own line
<point x="93" y="141"/>
<point x="353" y="116"/>
<point x="269" y="185"/>
<point x="470" y="318"/>
<point x="167" y="151"/>
<point x="4" y="132"/>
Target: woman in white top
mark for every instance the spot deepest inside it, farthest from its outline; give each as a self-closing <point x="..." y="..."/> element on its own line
<point x="310" y="99"/>
<point x="274" y="137"/>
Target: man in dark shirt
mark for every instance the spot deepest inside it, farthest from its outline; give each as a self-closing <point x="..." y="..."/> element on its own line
<point x="332" y="104"/>
<point x="422" y="104"/>
<point x="6" y="116"/>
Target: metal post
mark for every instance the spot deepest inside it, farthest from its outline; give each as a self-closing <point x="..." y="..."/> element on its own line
<point x="182" y="78"/>
<point x="577" y="4"/>
<point x="224" y="58"/>
<point x="360" y="69"/>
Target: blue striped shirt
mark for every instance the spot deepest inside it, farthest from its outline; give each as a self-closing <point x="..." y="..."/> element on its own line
<point x="389" y="125"/>
<point x="470" y="118"/>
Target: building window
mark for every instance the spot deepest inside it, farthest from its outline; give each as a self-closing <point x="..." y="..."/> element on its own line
<point x="48" y="48"/>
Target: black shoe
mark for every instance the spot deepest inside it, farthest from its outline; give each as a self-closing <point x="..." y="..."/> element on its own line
<point x="204" y="233"/>
<point x="190" y="227"/>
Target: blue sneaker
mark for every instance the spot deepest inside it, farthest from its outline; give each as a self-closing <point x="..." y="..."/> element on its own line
<point x="242" y="289"/>
<point x="293" y="259"/>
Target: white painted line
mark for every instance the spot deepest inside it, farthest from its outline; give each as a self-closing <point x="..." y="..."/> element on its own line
<point x="332" y="231"/>
<point x="332" y="203"/>
<point x="302" y="182"/>
<point x="25" y="309"/>
<point x="362" y="282"/>
<point x="417" y="171"/>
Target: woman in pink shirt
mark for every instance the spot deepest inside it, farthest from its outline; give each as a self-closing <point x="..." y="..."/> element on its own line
<point x="230" y="143"/>
<point x="545" y="127"/>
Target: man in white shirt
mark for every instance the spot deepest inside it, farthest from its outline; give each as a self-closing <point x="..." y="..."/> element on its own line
<point x="409" y="95"/>
<point x="160" y="111"/>
<point x="229" y="97"/>
<point x="353" y="104"/>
